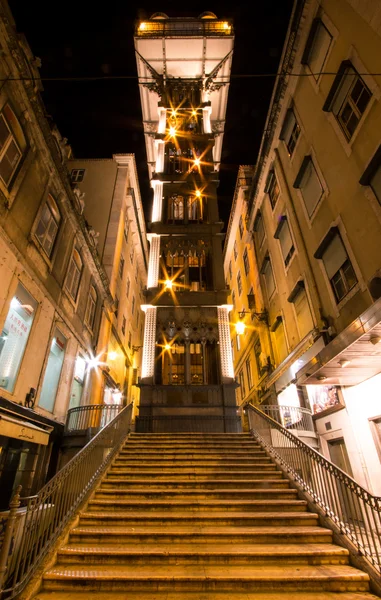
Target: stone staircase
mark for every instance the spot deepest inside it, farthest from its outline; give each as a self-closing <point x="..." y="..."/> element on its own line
<point x="199" y="517"/>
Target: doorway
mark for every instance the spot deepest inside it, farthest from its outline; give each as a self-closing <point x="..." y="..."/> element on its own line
<point x="339" y="455"/>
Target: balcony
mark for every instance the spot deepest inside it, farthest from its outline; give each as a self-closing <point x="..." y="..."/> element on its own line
<point x="296" y="419"/>
<point x="91" y="417"/>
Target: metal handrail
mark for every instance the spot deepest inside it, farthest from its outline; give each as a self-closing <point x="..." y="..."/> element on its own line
<point x="94" y="416"/>
<point x="355" y="511"/>
<point x="291" y="417"/>
<point x="46" y="514"/>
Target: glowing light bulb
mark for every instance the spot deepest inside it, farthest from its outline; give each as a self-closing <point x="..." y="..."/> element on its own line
<point x="194" y="113"/>
<point x="172" y="131"/>
<point x="198" y="193"/>
<point x="173" y="113"/>
<point x="197" y="162"/>
<point x="240" y="327"/>
<point x="168" y="284"/>
<point x="167" y="347"/>
<point x="143" y="26"/>
<point x="112" y="355"/>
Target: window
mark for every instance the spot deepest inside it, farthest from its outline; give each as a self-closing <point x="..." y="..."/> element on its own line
<point x="233" y="297"/>
<point x="239" y="283"/>
<point x="126" y="228"/>
<point x="309" y="184"/>
<point x="136" y="273"/>
<point x="14" y="336"/>
<point x="242" y="384"/>
<point x="283" y="234"/>
<point x="348" y="98"/>
<point x="272" y="188"/>
<point x="74" y="274"/>
<point x="267" y="272"/>
<point x="124" y="325"/>
<point x="10" y="152"/>
<point x="77" y="175"/>
<point x="128" y="287"/>
<point x="241" y="227"/>
<point x="230" y="270"/>
<point x="121" y="267"/>
<point x="235" y="250"/>
<point x="129" y="339"/>
<point x="316" y="51"/>
<point x="246" y="263"/>
<point x="249" y="374"/>
<point x="47" y="227"/>
<point x="116" y="303"/>
<point x="259" y="228"/>
<point x="279" y="338"/>
<point x="299" y="299"/>
<point x="176" y="208"/>
<point x="258" y="356"/>
<point x="196" y="363"/>
<point x="132" y="254"/>
<point x="91" y="307"/>
<point x="337" y="264"/>
<point x="53" y="371"/>
<point x="372" y="175"/>
<point x="290" y="131"/>
<point x="133" y="305"/>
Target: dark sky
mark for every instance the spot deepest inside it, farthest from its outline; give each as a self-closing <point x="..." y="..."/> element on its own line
<point x="78" y="39"/>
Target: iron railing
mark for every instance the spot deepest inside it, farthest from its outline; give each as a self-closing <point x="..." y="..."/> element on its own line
<point x="188" y="424"/>
<point x="291" y="417"/>
<point x="44" y="516"/>
<point x="94" y="416"/>
<point x="353" y="510"/>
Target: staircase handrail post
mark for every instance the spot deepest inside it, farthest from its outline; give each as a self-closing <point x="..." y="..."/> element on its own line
<point x="8" y="533"/>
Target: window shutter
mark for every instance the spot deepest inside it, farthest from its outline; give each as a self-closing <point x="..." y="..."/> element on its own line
<point x="311" y="188"/>
<point x="302" y="170"/>
<point x="334" y="256"/>
<point x="269" y="180"/>
<point x="332" y="97"/>
<point x="285" y="239"/>
<point x="303" y="313"/>
<point x="288" y="125"/>
<point x="319" y="50"/>
<point x="310" y="41"/>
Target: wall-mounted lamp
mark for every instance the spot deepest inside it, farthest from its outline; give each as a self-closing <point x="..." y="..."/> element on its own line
<point x="375" y="339"/>
<point x="344" y="362"/>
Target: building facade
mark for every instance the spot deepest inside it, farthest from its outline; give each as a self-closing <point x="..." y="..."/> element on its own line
<point x="314" y="214"/>
<point x="53" y="287"/>
<point x="114" y="212"/>
<point x="187" y="372"/>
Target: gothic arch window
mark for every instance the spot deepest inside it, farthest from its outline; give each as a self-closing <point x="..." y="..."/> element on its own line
<point x="194" y="208"/>
<point x="176" y="208"/>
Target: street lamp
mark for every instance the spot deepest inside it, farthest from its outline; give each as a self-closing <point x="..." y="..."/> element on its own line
<point x="240" y="325"/>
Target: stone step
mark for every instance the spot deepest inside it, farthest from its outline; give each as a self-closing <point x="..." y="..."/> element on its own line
<point x="178" y="444"/>
<point x="200" y="554"/>
<point x="191" y="494"/>
<point x="143" y="452"/>
<point x="193" y="474"/>
<point x="207" y="578"/>
<point x="192" y="505"/>
<point x="280" y="595"/>
<point x="202" y="457"/>
<point x="208" y="483"/>
<point x="186" y="465"/>
<point x="200" y="534"/>
<point x="191" y="436"/>
<point x="205" y="519"/>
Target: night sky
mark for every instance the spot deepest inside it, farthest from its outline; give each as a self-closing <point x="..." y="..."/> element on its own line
<point x="77" y="39"/>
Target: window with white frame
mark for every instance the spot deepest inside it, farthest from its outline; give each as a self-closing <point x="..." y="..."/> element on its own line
<point x="126" y="227"/>
<point x="10" y="151"/>
<point x="259" y="228"/>
<point x="121" y="267"/>
<point x="283" y="234"/>
<point x="77" y="175"/>
<point x="241" y="226"/>
<point x="233" y="297"/>
<point x="128" y="287"/>
<point x="246" y="262"/>
<point x="290" y="131"/>
<point x="272" y="188"/>
<point x="348" y="98"/>
<point x="299" y="299"/>
<point x="235" y="250"/>
<point x="48" y="225"/>
<point x="124" y="325"/>
<point x="91" y="307"/>
<point x="249" y="373"/>
<point x="308" y="181"/>
<point x="337" y="264"/>
<point x="372" y="175"/>
<point x="267" y="272"/>
<point x="279" y="337"/>
<point x="317" y="47"/>
<point x="239" y="283"/>
<point x="242" y="383"/>
<point x="74" y="274"/>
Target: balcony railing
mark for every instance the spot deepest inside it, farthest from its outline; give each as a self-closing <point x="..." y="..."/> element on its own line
<point x="184" y="27"/>
<point x="92" y="416"/>
<point x="291" y="417"/>
<point x="353" y="511"/>
<point x="31" y="532"/>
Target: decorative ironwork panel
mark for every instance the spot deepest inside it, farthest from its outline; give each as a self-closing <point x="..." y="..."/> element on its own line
<point x="154" y="259"/>
<point x="148" y="365"/>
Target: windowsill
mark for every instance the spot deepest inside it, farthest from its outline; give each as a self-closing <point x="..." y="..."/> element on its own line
<point x="34" y="241"/>
<point x="287" y="267"/>
<point x="74" y="303"/>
